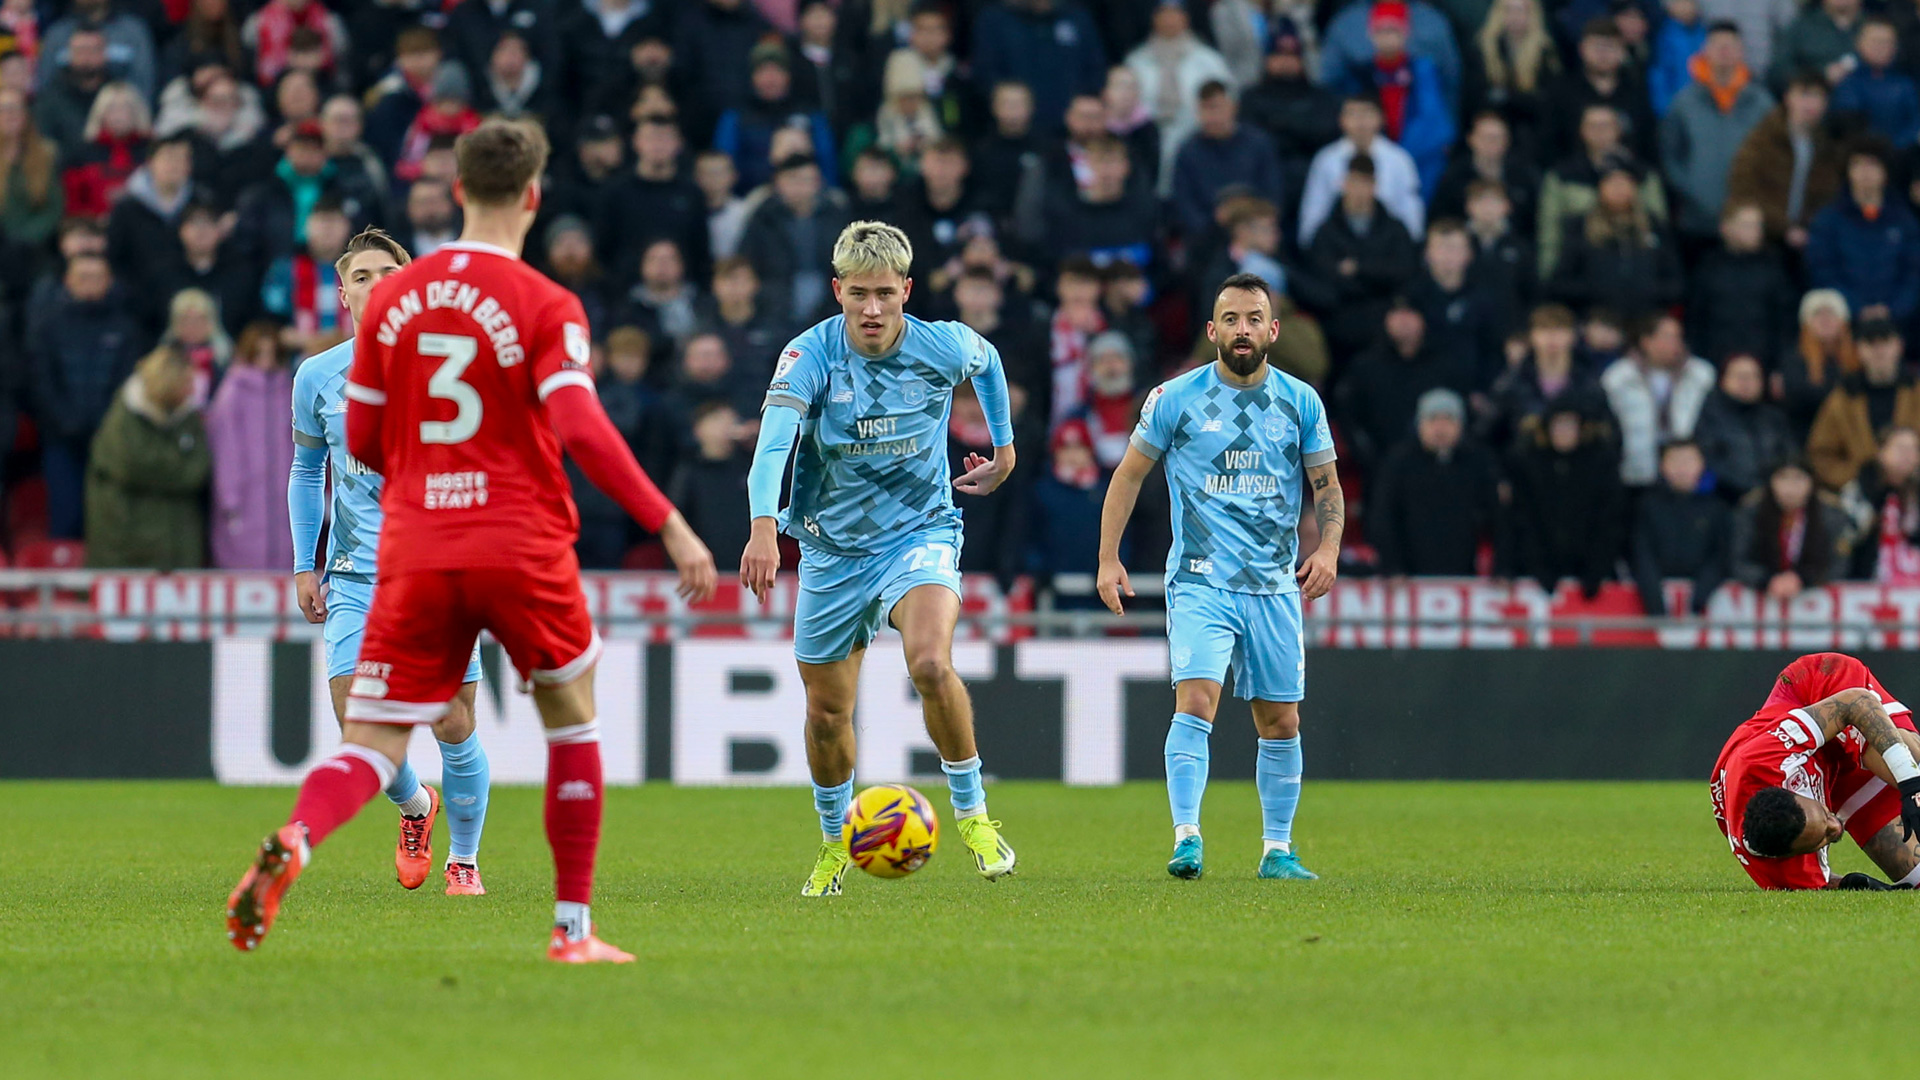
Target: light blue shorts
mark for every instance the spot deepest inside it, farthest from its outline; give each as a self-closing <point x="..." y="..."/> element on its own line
<point x="1258" y="636"/>
<point x="347" y="605"/>
<point x="845" y="599"/>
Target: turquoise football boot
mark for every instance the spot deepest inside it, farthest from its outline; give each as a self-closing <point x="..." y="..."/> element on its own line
<point x="1285" y="865"/>
<point x="1186" y="862"/>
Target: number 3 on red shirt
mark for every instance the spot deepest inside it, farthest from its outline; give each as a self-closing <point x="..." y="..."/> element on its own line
<point x="446" y="385"/>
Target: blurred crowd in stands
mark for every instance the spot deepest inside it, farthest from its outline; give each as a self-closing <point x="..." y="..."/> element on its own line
<point x="1595" y="290"/>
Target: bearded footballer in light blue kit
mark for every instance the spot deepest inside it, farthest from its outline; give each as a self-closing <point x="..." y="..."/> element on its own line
<point x="866" y="395"/>
<point x="1239" y="439"/>
<point x="342" y="594"/>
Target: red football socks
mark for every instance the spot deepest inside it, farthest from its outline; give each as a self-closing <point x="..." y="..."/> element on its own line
<point x="337" y="788"/>
<point x="575" y="796"/>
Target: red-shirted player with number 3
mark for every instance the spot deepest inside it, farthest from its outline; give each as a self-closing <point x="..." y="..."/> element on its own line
<point x="1830" y="752"/>
<point x="467" y="364"/>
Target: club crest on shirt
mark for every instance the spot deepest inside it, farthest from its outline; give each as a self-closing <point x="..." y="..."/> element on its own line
<point x="914" y="393"/>
<point x="1275" y="427"/>
<point x="1146" y="407"/>
<point x="579" y="349"/>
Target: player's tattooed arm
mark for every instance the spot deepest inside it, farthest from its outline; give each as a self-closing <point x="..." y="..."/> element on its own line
<point x="1892" y="758"/>
<point x="1317" y="573"/>
<point x="1859" y="709"/>
<point x="1329" y="503"/>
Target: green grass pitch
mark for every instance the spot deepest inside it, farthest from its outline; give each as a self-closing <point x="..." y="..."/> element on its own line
<point x="1471" y="930"/>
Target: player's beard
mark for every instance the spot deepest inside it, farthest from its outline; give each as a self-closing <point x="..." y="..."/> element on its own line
<point x="1243" y="366"/>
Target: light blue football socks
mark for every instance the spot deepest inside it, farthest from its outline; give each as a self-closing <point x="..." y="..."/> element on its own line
<point x="1277" y="775"/>
<point x="405" y="791"/>
<point x="831" y="804"/>
<point x="465" y="779"/>
<point x="963" y="784"/>
<point x="1187" y="759"/>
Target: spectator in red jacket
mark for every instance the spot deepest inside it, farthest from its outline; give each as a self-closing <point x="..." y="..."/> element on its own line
<point x="118" y="128"/>
<point x="269" y="33"/>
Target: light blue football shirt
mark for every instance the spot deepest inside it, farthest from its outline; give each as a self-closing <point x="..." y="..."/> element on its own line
<point x="1235" y="461"/>
<point x="320" y="420"/>
<point x="872" y="459"/>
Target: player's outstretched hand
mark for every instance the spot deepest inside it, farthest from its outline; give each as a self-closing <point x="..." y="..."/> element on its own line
<point x="1111" y="582"/>
<point x="1316" y="575"/>
<point x="313" y="595"/>
<point x="691" y="557"/>
<point x="985" y="474"/>
<point x="760" y="562"/>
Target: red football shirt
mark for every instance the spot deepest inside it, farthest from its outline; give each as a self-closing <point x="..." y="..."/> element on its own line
<point x="462" y="348"/>
<point x="1779" y="747"/>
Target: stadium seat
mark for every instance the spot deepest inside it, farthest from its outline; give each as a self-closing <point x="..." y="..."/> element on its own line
<point x="651" y="555"/>
<point x="46" y="554"/>
<point x="27" y="511"/>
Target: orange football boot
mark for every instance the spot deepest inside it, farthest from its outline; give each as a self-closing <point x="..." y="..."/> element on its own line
<point x="255" y="902"/>
<point x="413" y="853"/>
<point x="588" y="950"/>
<point x="464" y="880"/>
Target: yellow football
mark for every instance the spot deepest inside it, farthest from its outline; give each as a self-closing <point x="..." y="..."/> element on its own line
<point x="891" y="830"/>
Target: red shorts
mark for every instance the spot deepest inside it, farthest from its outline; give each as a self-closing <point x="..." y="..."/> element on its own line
<point x="1866" y="804"/>
<point x="420" y="634"/>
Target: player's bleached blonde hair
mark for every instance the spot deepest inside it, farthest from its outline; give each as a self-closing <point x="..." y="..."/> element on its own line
<point x="871" y="247"/>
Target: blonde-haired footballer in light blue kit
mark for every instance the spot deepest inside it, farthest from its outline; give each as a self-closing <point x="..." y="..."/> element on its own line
<point x="1239" y="439"/>
<point x="866" y="396"/>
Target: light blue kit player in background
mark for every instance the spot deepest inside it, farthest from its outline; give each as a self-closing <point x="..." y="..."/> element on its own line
<point x="866" y="396"/>
<point x="1240" y="440"/>
<point x="341" y="593"/>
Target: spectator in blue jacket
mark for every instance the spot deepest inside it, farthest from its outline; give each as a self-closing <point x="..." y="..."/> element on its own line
<point x="1052" y="46"/>
<point x="1066" y="501"/>
<point x="1412" y="95"/>
<point x="1223" y="151"/>
<point x="1878" y="92"/>
<point x="1682" y="34"/>
<point x="746" y="133"/>
<point x="1866" y="245"/>
<point x="1347" y="43"/>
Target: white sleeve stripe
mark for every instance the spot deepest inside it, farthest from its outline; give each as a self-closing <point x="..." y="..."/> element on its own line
<point x="1861" y="798"/>
<point x="561" y="379"/>
<point x="366" y="395"/>
<point x="1811" y="727"/>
